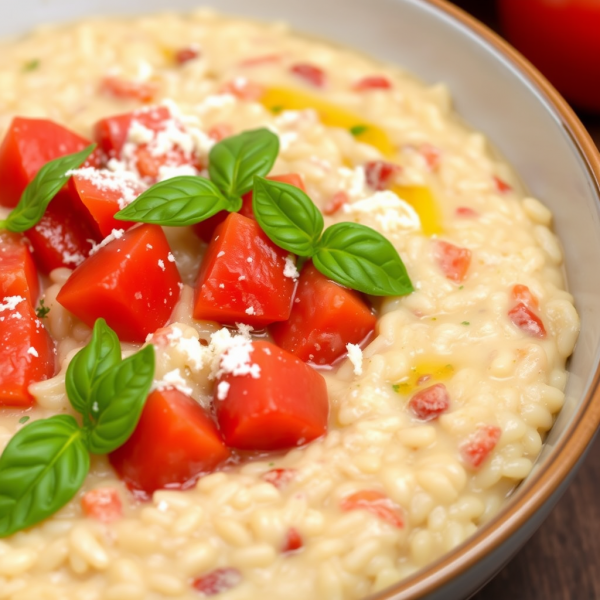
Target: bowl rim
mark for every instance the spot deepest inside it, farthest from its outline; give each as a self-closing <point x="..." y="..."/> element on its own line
<point x="580" y="433"/>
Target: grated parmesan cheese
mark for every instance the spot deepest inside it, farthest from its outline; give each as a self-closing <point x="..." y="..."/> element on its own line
<point x="223" y="390"/>
<point x="115" y="234"/>
<point x="11" y="302"/>
<point x="355" y="356"/>
<point x="290" y="268"/>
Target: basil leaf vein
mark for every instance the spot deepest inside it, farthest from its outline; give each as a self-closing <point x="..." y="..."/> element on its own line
<point x="118" y="398"/>
<point x="236" y="160"/>
<point x="360" y="258"/>
<point x="42" y="189"/>
<point x="287" y="215"/>
<point x="178" y="202"/>
<point x="101" y="354"/>
<point x="41" y="469"/>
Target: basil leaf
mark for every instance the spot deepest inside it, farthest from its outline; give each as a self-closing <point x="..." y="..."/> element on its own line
<point x="178" y="202"/>
<point x="118" y="398"/>
<point x="101" y="354"/>
<point x="360" y="258"/>
<point x="287" y="215"/>
<point x="235" y="161"/>
<point x="42" y="189"/>
<point x="41" y="469"/>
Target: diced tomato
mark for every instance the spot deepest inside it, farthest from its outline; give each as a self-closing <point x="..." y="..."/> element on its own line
<point x="185" y="55"/>
<point x="380" y="174"/>
<point x="241" y="277"/>
<point x="521" y="293"/>
<point x="526" y="320"/>
<point x="102" y="193"/>
<point x="466" y="212"/>
<point x="103" y="504"/>
<point x="336" y="203"/>
<point x="143" y="91"/>
<point x="62" y="238"/>
<point x="26" y="351"/>
<point x="430" y="403"/>
<point x="452" y="260"/>
<point x="28" y="145"/>
<point x="501" y="185"/>
<point x="132" y="282"/>
<point x="432" y="156"/>
<point x="478" y="447"/>
<point x="377" y="504"/>
<point x="218" y="581"/>
<point x="243" y="89"/>
<point x="18" y="275"/>
<point x="285" y="406"/>
<point x="310" y="73"/>
<point x="220" y="131"/>
<point x="149" y="164"/>
<point x="256" y="61"/>
<point x="293" y="541"/>
<point x="205" y="229"/>
<point x="372" y="82"/>
<point x="325" y="318"/>
<point x="280" y="478"/>
<point x="174" y="443"/>
<point x="111" y="133"/>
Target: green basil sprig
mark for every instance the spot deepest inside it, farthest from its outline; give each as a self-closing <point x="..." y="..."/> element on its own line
<point x="42" y="189"/>
<point x="351" y="254"/>
<point x="46" y="462"/>
<point x="185" y="200"/>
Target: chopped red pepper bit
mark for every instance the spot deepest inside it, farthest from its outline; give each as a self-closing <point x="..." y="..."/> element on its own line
<point x="432" y="156"/>
<point x="466" y="212"/>
<point x="372" y="82"/>
<point x="430" y="403"/>
<point x="184" y="55"/>
<point x="526" y="320"/>
<point x="521" y="293"/>
<point x="261" y="60"/>
<point x="336" y="203"/>
<point x="377" y="504"/>
<point x="381" y="174"/>
<point x="218" y="581"/>
<point x="452" y="260"/>
<point x="501" y="185"/>
<point x="144" y="91"/>
<point x="310" y="73"/>
<point x="243" y="89"/>
<point x="103" y="504"/>
<point x="293" y="541"/>
<point x="280" y="478"/>
<point x="478" y="447"/>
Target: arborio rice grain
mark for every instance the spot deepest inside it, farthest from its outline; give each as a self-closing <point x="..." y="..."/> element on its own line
<point x="496" y="375"/>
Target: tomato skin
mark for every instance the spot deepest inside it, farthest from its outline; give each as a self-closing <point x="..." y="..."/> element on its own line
<point x="99" y="202"/>
<point x="452" y="260"/>
<point x="62" y="237"/>
<point x="377" y="504"/>
<point x="205" y="229"/>
<point x="325" y="318"/>
<point x="285" y="407"/>
<point x="130" y="282"/>
<point x="174" y="443"/>
<point x="18" y="275"/>
<point x="103" y="504"/>
<point x="240" y="249"/>
<point x="430" y="403"/>
<point x="27" y="146"/>
<point x="20" y="331"/>
<point x="561" y="39"/>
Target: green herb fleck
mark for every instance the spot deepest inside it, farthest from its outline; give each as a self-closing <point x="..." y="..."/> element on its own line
<point x="399" y="388"/>
<point x="465" y="323"/>
<point x="24" y="420"/>
<point x="271" y="464"/>
<point x="277" y="109"/>
<point x="461" y="287"/>
<point x="31" y="65"/>
<point x="358" y="130"/>
<point x="42" y="311"/>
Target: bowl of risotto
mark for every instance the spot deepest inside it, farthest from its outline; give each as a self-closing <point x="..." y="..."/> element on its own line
<point x="291" y="307"/>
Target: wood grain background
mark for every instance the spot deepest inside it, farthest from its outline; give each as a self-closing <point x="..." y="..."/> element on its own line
<point x="562" y="560"/>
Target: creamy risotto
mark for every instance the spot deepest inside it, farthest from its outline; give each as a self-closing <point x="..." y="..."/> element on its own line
<point x="433" y="418"/>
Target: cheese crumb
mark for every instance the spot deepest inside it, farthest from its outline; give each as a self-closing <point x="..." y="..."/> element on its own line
<point x="222" y="390"/>
<point x="355" y="356"/>
<point x="161" y="264"/>
<point x="115" y="234"/>
<point x="290" y="268"/>
<point x="11" y="302"/>
<point x="33" y="352"/>
<point x="173" y="379"/>
<point x="389" y="211"/>
<point x="250" y="310"/>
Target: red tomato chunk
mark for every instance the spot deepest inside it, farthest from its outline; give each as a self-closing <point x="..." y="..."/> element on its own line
<point x="241" y="277"/>
<point x="185" y="55"/>
<point x="526" y="320"/>
<point x="380" y="174"/>
<point x="476" y="449"/>
<point x="432" y="156"/>
<point x="143" y="91"/>
<point x="18" y="276"/>
<point x="310" y="73"/>
<point x="103" y="504"/>
<point x="28" y="145"/>
<point x="521" y="293"/>
<point x="218" y="581"/>
<point x="452" y="260"/>
<point x="430" y="403"/>
<point x="174" y="443"/>
<point x="132" y="282"/>
<point x="325" y="318"/>
<point x="26" y="352"/>
<point x="336" y="203"/>
<point x="377" y="504"/>
<point x="293" y="541"/>
<point x="284" y="407"/>
<point x="372" y="82"/>
<point x="501" y="185"/>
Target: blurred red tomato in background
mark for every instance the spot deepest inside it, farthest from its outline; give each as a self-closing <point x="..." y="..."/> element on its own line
<point x="562" y="39"/>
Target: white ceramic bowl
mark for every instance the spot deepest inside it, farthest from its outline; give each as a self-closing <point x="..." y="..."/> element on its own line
<point x="499" y="93"/>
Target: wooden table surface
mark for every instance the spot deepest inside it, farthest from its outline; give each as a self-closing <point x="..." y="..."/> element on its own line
<point x="562" y="560"/>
